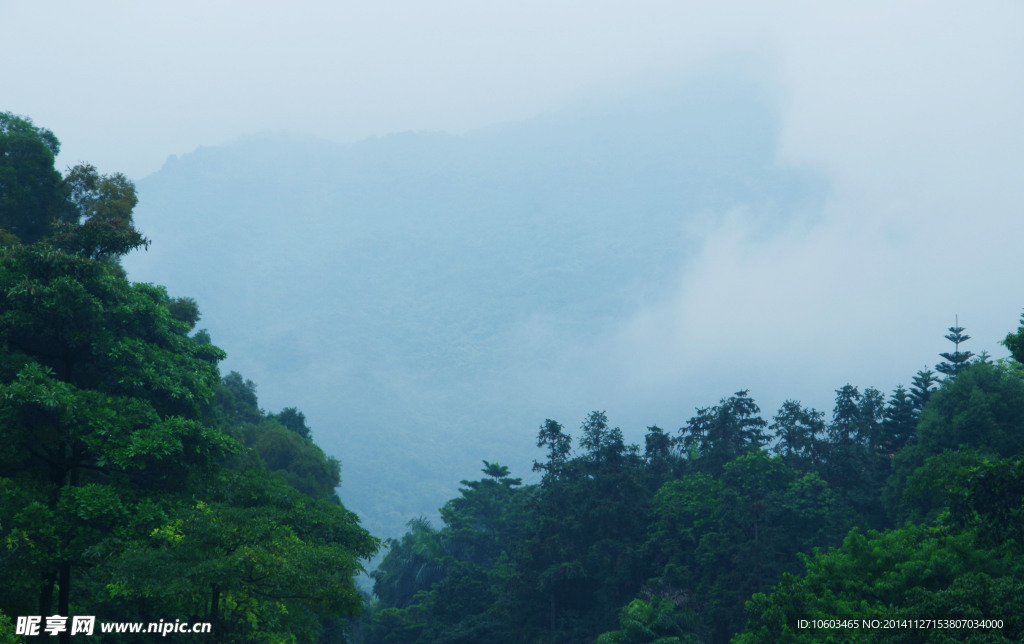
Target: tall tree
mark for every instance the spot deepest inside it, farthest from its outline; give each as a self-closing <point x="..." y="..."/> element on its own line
<point x="846" y="416"/>
<point x="84" y="212"/>
<point x="559" y="444"/>
<point x="976" y="415"/>
<point x="872" y="413"/>
<point x="723" y="432"/>
<point x="853" y="466"/>
<point x="101" y="225"/>
<point x="100" y="398"/>
<point x="798" y="432"/>
<point x="603" y="444"/>
<point x="110" y="459"/>
<point x="32" y="198"/>
<point x="900" y="422"/>
<point x="659" y="452"/>
<point x="922" y="388"/>
<point x="657" y="444"/>
<point x="956" y="361"/>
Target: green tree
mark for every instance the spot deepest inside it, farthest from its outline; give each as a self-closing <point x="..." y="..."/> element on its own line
<point x="660" y="455"/>
<point x="258" y="559"/>
<point x="186" y="309"/>
<point x="577" y="558"/>
<point x="657" y="444"/>
<point x="1015" y="342"/>
<point x="445" y="586"/>
<point x="922" y="388"/>
<point x="872" y="415"/>
<point x="654" y="621"/>
<point x="559" y="444"/>
<point x="900" y="422"/>
<point x="297" y="460"/>
<point x="120" y="492"/>
<point x="100" y="399"/>
<point x="956" y="361"/>
<point x="799" y="433"/>
<point x="987" y="498"/>
<point x="236" y="401"/>
<point x="603" y="444"/>
<point x="977" y="414"/>
<point x="854" y="467"/>
<point x="294" y="420"/>
<point x="7" y="631"/>
<point x="914" y="572"/>
<point x="986" y="411"/>
<point x="31" y="194"/>
<point x="723" y="432"/>
<point x="412" y="564"/>
<point x="924" y="491"/>
<point x="722" y="539"/>
<point x="101" y="226"/>
<point x="847" y="416"/>
<point x="481" y="522"/>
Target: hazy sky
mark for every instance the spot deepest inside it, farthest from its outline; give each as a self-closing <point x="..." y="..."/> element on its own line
<point x="911" y="109"/>
<point x="125" y="84"/>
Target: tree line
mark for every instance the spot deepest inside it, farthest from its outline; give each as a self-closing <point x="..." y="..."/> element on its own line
<point x="735" y="527"/>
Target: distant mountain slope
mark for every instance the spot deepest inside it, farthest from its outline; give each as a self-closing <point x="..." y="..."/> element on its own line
<point x="425" y="299"/>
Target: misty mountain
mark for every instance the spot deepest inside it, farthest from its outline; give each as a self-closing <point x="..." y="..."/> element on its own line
<point x="428" y="300"/>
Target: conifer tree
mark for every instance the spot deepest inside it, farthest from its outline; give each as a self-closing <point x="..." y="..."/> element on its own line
<point x="955" y="362"/>
<point x="921" y="389"/>
<point x="872" y="413"/>
<point x="846" y="415"/>
<point x="900" y="421"/>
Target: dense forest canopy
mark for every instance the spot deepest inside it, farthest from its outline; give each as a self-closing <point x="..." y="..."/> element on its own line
<point x="897" y="508"/>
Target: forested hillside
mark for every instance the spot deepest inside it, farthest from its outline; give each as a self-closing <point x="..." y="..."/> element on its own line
<point x="896" y="507"/>
<point x="138" y="484"/>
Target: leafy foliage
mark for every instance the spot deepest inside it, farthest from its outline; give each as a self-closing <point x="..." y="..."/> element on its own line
<point x="31" y="199"/>
<point x="651" y="622"/>
<point x="910" y="573"/>
<point x="127" y="489"/>
<point x="683" y="540"/>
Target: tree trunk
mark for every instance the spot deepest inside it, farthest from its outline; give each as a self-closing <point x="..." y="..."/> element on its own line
<point x="64" y="601"/>
<point x="214" y="607"/>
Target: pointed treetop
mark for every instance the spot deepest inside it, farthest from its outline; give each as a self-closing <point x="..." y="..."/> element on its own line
<point x="958" y="360"/>
<point x="921" y="389"/>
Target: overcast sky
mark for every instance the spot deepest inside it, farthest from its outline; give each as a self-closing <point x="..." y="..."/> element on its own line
<point x="125" y="84"/>
<point x="912" y="110"/>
